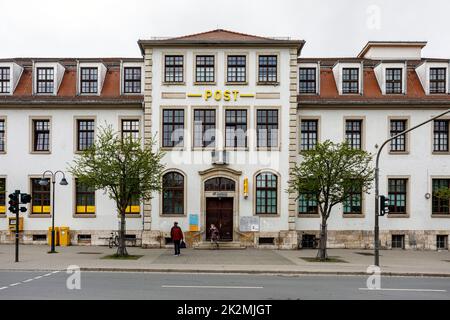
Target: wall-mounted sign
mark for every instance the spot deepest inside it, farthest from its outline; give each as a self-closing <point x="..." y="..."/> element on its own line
<point x="249" y="224"/>
<point x="218" y="95"/>
<point x="194" y="222"/>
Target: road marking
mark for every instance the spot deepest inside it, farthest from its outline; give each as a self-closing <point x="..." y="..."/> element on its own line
<point x="47" y="274"/>
<point x="210" y="287"/>
<point x="3" y="288"/>
<point x="28" y="280"/>
<point x="14" y="284"/>
<point x="38" y="277"/>
<point x="55" y="271"/>
<point x="412" y="290"/>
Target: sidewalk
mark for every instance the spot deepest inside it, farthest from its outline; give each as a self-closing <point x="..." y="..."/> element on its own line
<point x="88" y="258"/>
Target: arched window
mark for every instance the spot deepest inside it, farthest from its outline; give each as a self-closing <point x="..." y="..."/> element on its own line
<point x="266" y="193"/>
<point x="219" y="184"/>
<point x="173" y="193"/>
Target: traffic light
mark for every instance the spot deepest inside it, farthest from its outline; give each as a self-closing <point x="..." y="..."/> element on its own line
<point x="13" y="203"/>
<point x="384" y="205"/>
<point x="25" y="198"/>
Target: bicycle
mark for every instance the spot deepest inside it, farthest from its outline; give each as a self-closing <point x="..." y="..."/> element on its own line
<point x="113" y="240"/>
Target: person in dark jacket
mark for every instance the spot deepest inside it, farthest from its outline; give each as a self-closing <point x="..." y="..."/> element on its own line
<point x="177" y="235"/>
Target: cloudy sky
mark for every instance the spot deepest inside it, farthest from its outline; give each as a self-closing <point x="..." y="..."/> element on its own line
<point x="110" y="28"/>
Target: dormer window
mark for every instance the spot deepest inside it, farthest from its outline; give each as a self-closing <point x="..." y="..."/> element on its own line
<point x="438" y="80"/>
<point x="45" y="80"/>
<point x="89" y="80"/>
<point x="394" y="80"/>
<point x="5" y="80"/>
<point x="350" y="80"/>
<point x="307" y="78"/>
<point x="132" y="79"/>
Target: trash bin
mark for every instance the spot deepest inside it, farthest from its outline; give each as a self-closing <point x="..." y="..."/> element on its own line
<point x="64" y="236"/>
<point x="49" y="236"/>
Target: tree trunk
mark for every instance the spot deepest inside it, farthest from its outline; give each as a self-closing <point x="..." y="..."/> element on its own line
<point x="122" y="249"/>
<point x="322" y="254"/>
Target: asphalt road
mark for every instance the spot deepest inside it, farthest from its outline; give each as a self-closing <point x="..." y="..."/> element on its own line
<point x="122" y="285"/>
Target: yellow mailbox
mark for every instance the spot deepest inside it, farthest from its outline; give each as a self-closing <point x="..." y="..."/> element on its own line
<point x="64" y="236"/>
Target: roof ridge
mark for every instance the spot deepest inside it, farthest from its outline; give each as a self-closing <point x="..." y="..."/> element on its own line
<point x="219" y="30"/>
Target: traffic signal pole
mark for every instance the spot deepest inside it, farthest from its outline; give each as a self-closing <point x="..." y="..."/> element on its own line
<point x="377" y="191"/>
<point x="17" y="193"/>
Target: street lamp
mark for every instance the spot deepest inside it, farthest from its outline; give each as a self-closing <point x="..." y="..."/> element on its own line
<point x="44" y="182"/>
<point x="377" y="191"/>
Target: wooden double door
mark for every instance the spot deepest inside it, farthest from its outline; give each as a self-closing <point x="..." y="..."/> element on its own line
<point x="219" y="211"/>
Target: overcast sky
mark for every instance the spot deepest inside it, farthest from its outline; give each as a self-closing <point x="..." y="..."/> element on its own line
<point x="110" y="28"/>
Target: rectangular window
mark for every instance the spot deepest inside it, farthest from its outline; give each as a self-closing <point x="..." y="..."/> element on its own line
<point x="173" y="128"/>
<point x="5" y="77"/>
<point x="41" y="135"/>
<point x="353" y="133"/>
<point x="204" y="69"/>
<point x="307" y="204"/>
<point x="309" y="134"/>
<point x="440" y="136"/>
<point x="85" y="134"/>
<point x="85" y="199"/>
<point x="353" y="204"/>
<point x="236" y="69"/>
<point x="440" y="205"/>
<point x="40" y="196"/>
<point x="267" y="128"/>
<point x="350" y="80"/>
<point x="267" y="68"/>
<point x="236" y="128"/>
<point x="173" y="69"/>
<point x="394" y="80"/>
<point x="399" y="143"/>
<point x="398" y="241"/>
<point x="307" y="78"/>
<point x="89" y="80"/>
<point x="438" y="80"/>
<point x="45" y="80"/>
<point x="204" y="128"/>
<point x="442" y="242"/>
<point x="397" y="195"/>
<point x="2" y="135"/>
<point x="132" y="80"/>
<point x="2" y="195"/>
<point x="130" y="129"/>
<point x="135" y="205"/>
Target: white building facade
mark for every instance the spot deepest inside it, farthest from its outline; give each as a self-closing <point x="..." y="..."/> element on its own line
<point x="232" y="113"/>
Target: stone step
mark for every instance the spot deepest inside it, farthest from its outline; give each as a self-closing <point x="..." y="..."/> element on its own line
<point x="223" y="245"/>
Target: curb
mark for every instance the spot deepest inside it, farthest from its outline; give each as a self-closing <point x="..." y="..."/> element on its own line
<point x="251" y="272"/>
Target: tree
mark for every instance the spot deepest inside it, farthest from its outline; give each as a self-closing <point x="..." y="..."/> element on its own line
<point x="327" y="175"/>
<point x="443" y="193"/>
<point x="123" y="169"/>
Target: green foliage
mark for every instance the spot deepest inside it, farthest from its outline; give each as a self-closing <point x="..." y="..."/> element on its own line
<point x="443" y="193"/>
<point x="329" y="172"/>
<point x="121" y="167"/>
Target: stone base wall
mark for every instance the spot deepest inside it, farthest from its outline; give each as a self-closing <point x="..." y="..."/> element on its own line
<point x="347" y="239"/>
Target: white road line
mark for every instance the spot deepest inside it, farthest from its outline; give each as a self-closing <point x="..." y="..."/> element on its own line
<point x="28" y="280"/>
<point x="47" y="274"/>
<point x="38" y="277"/>
<point x="55" y="271"/>
<point x="3" y="288"/>
<point x="412" y="290"/>
<point x="210" y="287"/>
<point x="14" y="284"/>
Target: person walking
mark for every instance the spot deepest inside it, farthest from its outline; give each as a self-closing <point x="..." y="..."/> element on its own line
<point x="214" y="232"/>
<point x="177" y="236"/>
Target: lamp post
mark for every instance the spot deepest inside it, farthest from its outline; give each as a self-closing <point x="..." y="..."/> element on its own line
<point x="44" y="182"/>
<point x="377" y="191"/>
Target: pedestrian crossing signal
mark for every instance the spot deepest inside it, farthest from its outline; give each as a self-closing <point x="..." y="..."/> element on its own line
<point x="384" y="205"/>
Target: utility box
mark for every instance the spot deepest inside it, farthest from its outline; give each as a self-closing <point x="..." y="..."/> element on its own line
<point x="64" y="236"/>
<point x="12" y="224"/>
<point x="49" y="236"/>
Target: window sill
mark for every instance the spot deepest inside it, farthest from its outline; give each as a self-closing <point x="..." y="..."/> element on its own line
<point x="268" y="149"/>
<point x="40" y="152"/>
<point x="353" y="215"/>
<point x="308" y="215"/>
<point x="236" y="149"/>
<point x="205" y="83"/>
<point x="172" y="215"/>
<point x="132" y="215"/>
<point x="236" y="83"/>
<point x="267" y="83"/>
<point x="172" y="149"/>
<point x="399" y="152"/>
<point x="308" y="93"/>
<point x="84" y="215"/>
<point x="440" y="215"/>
<point x="267" y="215"/>
<point x="2" y="152"/>
<point x="203" y="149"/>
<point x="2" y="215"/>
<point x="398" y="215"/>
<point x="173" y="83"/>
<point x="441" y="153"/>
<point x="39" y="215"/>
